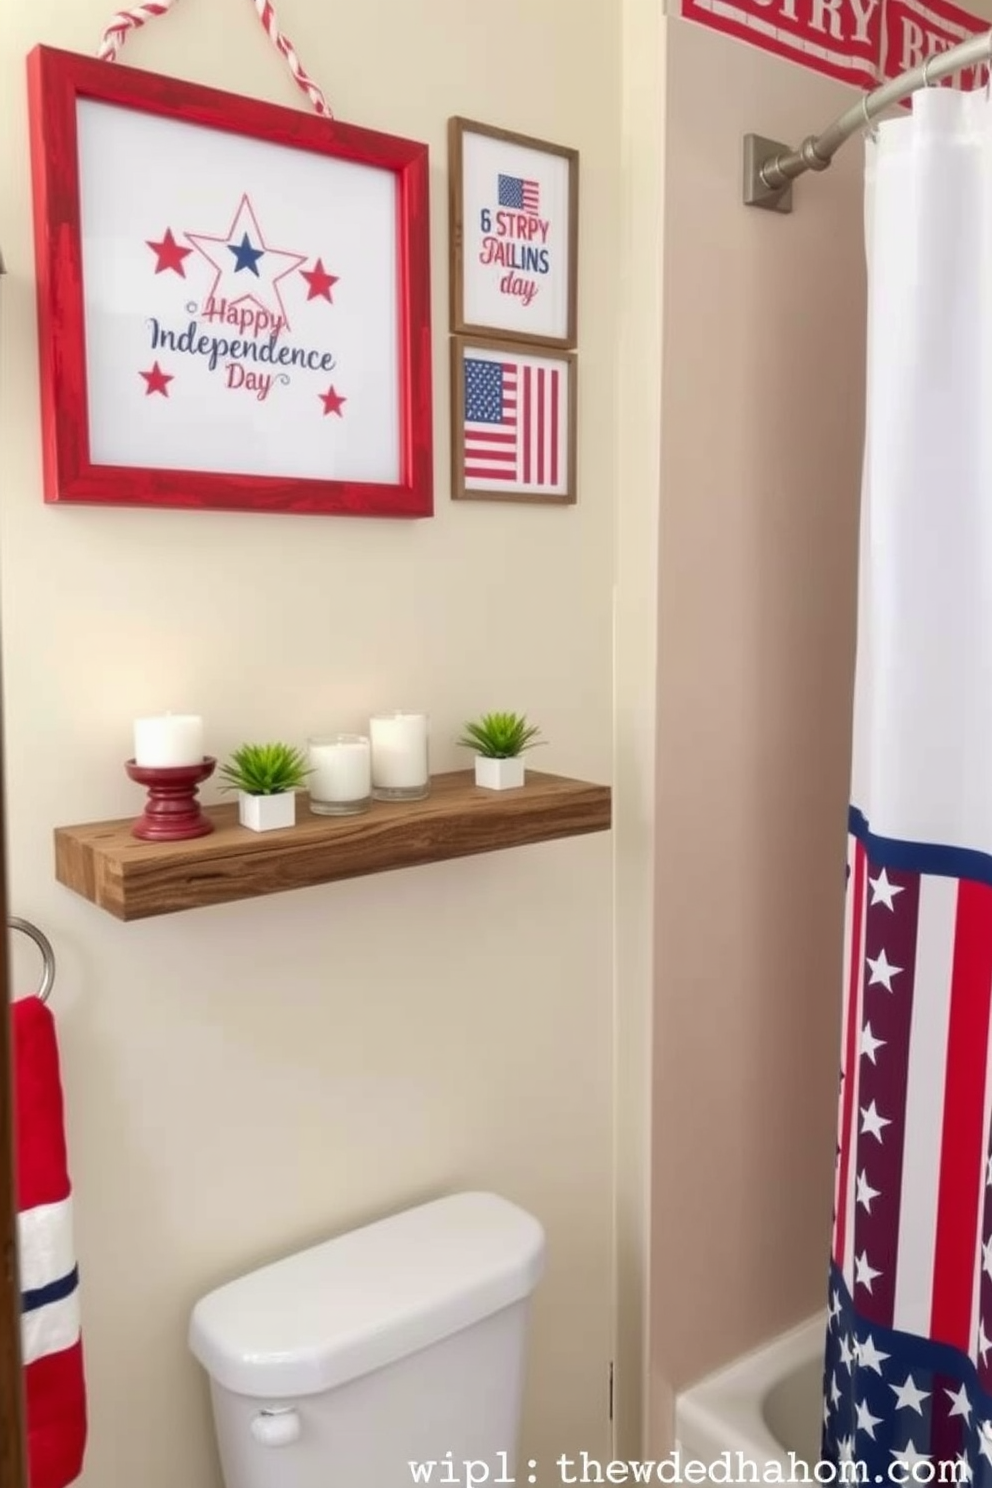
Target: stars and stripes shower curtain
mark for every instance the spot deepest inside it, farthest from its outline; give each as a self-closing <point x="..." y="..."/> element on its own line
<point x="908" y="1367"/>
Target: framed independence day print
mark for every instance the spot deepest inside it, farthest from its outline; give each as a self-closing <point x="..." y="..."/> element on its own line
<point x="234" y="300"/>
<point x="514" y="212"/>
<point x="513" y="422"/>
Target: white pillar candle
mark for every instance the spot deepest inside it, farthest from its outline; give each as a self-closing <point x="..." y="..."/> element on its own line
<point x="167" y="741"/>
<point x="399" y="754"/>
<point x="341" y="777"/>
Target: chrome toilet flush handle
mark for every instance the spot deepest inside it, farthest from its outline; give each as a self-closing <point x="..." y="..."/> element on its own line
<point x="276" y="1428"/>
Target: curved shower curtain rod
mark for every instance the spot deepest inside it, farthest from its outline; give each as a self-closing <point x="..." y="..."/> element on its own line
<point x="770" y="167"/>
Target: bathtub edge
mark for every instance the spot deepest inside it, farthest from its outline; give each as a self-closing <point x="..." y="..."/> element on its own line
<point x="724" y="1411"/>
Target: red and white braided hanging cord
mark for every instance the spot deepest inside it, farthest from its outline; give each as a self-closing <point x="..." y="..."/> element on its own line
<point x="129" y="20"/>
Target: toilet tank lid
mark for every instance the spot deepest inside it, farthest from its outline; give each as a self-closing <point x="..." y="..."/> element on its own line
<point x="367" y="1298"/>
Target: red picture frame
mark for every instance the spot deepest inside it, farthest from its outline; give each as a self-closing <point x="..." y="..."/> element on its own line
<point x="76" y="467"/>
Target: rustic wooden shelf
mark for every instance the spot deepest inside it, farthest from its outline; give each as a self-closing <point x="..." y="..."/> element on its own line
<point x="134" y="880"/>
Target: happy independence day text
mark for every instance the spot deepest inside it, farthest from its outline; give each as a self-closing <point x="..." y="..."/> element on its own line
<point x="196" y="343"/>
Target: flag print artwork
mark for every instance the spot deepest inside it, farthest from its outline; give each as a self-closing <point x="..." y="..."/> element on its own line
<point x="516" y="431"/>
<point x="514" y="235"/>
<point x="523" y="196"/>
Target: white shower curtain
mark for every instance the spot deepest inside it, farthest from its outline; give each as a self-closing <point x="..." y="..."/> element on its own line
<point x="908" y="1376"/>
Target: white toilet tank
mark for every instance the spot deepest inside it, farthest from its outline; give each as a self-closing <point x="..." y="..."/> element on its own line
<point x="360" y="1361"/>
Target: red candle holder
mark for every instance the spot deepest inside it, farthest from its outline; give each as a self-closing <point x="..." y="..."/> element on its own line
<point x="172" y="812"/>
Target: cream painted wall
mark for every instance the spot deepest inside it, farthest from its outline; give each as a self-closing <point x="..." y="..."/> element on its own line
<point x="639" y="405"/>
<point x="243" y="1080"/>
<point x="761" y="440"/>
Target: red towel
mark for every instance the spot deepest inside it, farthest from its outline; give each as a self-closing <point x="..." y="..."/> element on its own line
<point x="55" y="1393"/>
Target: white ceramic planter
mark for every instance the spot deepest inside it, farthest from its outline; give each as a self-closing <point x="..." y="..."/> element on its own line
<point x="499" y="774"/>
<point x="267" y="813"/>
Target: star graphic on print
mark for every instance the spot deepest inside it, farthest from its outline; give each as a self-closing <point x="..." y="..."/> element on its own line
<point x="882" y="971"/>
<point x="826" y="1411"/>
<point x="320" y="282"/>
<point x="961" y="1405"/>
<point x="245" y="256"/>
<point x="869" y="1043"/>
<point x="157" y="380"/>
<point x="872" y="1122"/>
<point x="908" y="1397"/>
<point x="984" y="1343"/>
<point x="964" y="1473"/>
<point x="869" y="1356"/>
<point x="909" y="1457"/>
<point x="864" y="1275"/>
<point x="847" y="1354"/>
<point x="243" y="248"/>
<point x="882" y="891"/>
<point x="169" y="254"/>
<point x="332" y="402"/>
<point x="987" y="1258"/>
<point x="985" y="1441"/>
<point x="865" y="1191"/>
<point x="866" y="1421"/>
<point x="845" y="1450"/>
<point x="834" y="1308"/>
<point x="834" y="1389"/>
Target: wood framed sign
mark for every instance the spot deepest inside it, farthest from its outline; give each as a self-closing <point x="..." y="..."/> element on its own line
<point x="233" y="299"/>
<point x="513" y="411"/>
<point x="514" y="215"/>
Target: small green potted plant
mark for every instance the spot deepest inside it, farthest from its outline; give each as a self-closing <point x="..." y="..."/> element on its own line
<point x="499" y="741"/>
<point x="266" y="778"/>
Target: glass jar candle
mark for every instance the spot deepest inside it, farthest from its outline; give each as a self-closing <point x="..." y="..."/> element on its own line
<point x="341" y="780"/>
<point x="400" y="767"/>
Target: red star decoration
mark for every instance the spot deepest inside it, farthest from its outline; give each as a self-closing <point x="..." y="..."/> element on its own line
<point x="332" y="402"/>
<point x="157" y="381"/>
<point x="169" y="253"/>
<point x="320" y="281"/>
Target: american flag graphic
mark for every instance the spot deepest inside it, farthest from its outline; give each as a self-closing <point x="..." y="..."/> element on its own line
<point x="514" y="421"/>
<point x="519" y="195"/>
<point x="908" y="1367"/>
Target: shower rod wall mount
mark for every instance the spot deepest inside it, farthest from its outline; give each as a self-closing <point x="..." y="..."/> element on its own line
<point x="771" y="167"/>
